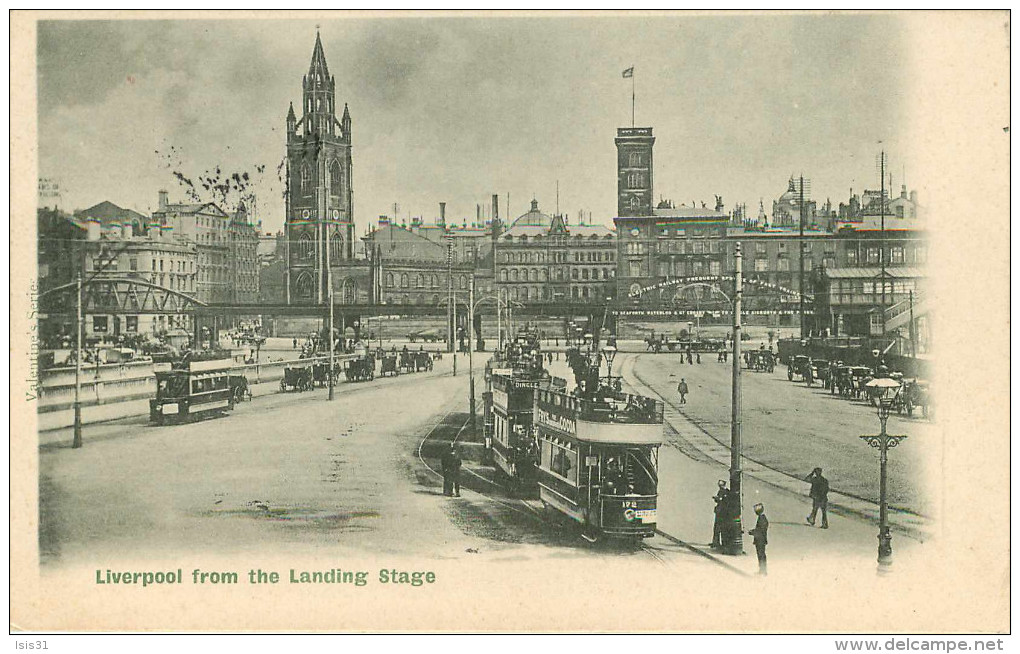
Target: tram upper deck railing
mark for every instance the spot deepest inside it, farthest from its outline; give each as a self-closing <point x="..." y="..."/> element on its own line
<point x="608" y="407"/>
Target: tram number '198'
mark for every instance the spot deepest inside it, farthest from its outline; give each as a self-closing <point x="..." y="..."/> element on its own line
<point x="629" y="504"/>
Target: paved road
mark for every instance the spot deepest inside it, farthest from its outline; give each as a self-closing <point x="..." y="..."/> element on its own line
<point x="297" y="474"/>
<point x="793" y="428"/>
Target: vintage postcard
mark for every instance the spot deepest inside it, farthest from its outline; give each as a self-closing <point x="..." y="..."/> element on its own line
<point x="510" y="322"/>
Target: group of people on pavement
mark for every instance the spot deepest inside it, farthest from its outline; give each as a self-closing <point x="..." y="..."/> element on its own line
<point x="727" y="509"/>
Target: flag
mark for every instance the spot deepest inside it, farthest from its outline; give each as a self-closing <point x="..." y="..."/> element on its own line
<point x="629" y="72"/>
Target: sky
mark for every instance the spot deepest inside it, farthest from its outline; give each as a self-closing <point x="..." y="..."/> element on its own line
<point x="456" y="109"/>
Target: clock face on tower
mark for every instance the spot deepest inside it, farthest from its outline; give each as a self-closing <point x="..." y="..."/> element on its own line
<point x="336" y="214"/>
<point x="305" y="213"/>
<point x="635" y="232"/>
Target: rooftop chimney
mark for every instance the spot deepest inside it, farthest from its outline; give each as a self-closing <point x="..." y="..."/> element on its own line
<point x="163" y="203"/>
<point x="442" y="213"/>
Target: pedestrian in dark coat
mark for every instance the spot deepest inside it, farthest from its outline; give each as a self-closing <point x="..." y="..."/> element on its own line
<point x="819" y="497"/>
<point x="455" y="463"/>
<point x="761" y="537"/>
<point x="682" y="389"/>
<point x="448" y="465"/>
<point x="721" y="513"/>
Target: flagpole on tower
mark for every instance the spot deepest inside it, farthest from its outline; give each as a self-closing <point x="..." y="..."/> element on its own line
<point x="630" y="73"/>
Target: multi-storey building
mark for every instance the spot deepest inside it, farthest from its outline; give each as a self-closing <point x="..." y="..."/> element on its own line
<point x="209" y="227"/>
<point x="540" y="258"/>
<point x="412" y="268"/>
<point x="878" y="278"/>
<point x="244" y="260"/>
<point x="104" y="249"/>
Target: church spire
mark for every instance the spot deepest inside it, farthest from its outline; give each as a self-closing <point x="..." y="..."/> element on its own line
<point x="318" y="64"/>
<point x="319" y="92"/>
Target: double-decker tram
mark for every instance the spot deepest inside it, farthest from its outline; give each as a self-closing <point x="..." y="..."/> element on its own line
<point x="513" y="377"/>
<point x="598" y="459"/>
<point x="191" y="388"/>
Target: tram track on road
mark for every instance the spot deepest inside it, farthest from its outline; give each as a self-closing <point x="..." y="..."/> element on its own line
<point x="521" y="507"/>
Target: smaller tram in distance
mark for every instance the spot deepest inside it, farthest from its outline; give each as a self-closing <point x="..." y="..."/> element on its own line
<point x="191" y="388"/>
<point x="513" y="377"/>
<point x="598" y="459"/>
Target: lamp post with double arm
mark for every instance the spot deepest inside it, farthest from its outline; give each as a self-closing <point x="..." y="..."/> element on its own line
<point x="884" y="390"/>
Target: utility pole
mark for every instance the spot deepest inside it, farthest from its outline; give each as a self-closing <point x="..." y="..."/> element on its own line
<point x="736" y="543"/>
<point x="450" y="327"/>
<point x="80" y="323"/>
<point x="471" y="350"/>
<point x="800" y="288"/>
<point x="499" y="320"/>
<point x="329" y="281"/>
<point x="881" y="253"/>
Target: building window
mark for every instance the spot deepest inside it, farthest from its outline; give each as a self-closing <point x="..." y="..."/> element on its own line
<point x="760" y="248"/>
<point x="336" y="178"/>
<point x="634" y="159"/>
<point x="100" y="323"/>
<point x="305" y="249"/>
<point x="336" y="247"/>
<point x="634" y="203"/>
<point x="873" y="255"/>
<point x="761" y="265"/>
<point x="463" y="281"/>
<point x="502" y="275"/>
<point x="306" y="178"/>
<point x="131" y="323"/>
<point x="403" y="280"/>
<point x="896" y="254"/>
<point x="573" y="273"/>
<point x="851" y="257"/>
<point x="714" y="268"/>
<point x="783" y="265"/>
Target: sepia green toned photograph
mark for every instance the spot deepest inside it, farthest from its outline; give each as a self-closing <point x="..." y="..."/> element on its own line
<point x="583" y="322"/>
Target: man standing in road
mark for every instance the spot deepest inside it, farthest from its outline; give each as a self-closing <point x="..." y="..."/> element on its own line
<point x="819" y="497"/>
<point x="761" y="537"/>
<point x="682" y="389"/>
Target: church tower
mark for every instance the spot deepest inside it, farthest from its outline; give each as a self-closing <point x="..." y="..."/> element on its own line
<point x="320" y="212"/>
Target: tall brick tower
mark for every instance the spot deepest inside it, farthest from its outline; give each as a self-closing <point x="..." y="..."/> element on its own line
<point x="634" y="171"/>
<point x="320" y="212"/>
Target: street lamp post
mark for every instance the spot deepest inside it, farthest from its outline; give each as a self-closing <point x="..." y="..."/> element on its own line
<point x="736" y="542"/>
<point x="609" y="352"/>
<point x="886" y="390"/>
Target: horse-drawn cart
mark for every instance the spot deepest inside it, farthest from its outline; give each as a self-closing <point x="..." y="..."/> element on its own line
<point x="297" y="377"/>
